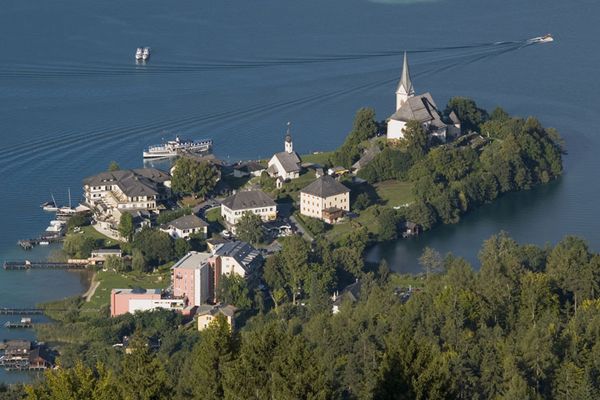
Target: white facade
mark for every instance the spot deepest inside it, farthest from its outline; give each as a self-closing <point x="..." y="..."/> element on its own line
<point x="313" y="206"/>
<point x="232" y="217"/>
<point x="153" y="304"/>
<point x="176" y="233"/>
<point x="230" y="266"/>
<point x="395" y="129"/>
<point x="276" y="164"/>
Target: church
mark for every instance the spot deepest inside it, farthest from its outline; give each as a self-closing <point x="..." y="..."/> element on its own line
<point x="285" y="165"/>
<point x="421" y="108"/>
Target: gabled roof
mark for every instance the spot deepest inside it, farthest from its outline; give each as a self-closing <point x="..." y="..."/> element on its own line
<point x="420" y="108"/>
<point x="325" y="187"/>
<point x="250" y="166"/>
<point x="187" y="222"/>
<point x="350" y="292"/>
<point x="289" y="161"/>
<point x="207" y="309"/>
<point x="367" y="157"/>
<point x="132" y="182"/>
<point x="248" y="199"/>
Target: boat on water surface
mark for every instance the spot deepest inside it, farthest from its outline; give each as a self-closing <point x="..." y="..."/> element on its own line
<point x="145" y="53"/>
<point x="139" y="53"/>
<point x="542" y="39"/>
<point x="172" y="148"/>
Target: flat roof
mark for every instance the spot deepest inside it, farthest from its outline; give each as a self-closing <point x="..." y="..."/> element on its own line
<point x="138" y="291"/>
<point x="192" y="260"/>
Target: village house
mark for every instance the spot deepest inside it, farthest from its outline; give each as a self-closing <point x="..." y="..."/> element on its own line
<point x="185" y="226"/>
<point x="99" y="256"/>
<point x="208" y="313"/>
<point x="421" y="108"/>
<point x="254" y="201"/>
<point x="21" y="354"/>
<point x="109" y="194"/>
<point x="123" y="301"/>
<point x="325" y="199"/>
<point x="368" y="155"/>
<point x="286" y="164"/>
<point x="350" y="294"/>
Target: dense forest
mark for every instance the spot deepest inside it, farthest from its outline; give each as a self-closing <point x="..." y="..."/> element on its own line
<point x="524" y="326"/>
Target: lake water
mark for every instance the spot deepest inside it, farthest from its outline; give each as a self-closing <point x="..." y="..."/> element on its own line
<point x="72" y="98"/>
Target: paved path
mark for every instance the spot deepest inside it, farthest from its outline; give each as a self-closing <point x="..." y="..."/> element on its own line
<point x="107" y="232"/>
<point x="304" y="233"/>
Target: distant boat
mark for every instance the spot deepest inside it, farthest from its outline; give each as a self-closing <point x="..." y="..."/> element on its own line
<point x="139" y="53"/>
<point x="171" y="147"/>
<point x="44" y="243"/>
<point x="146" y="53"/>
<point x="542" y="39"/>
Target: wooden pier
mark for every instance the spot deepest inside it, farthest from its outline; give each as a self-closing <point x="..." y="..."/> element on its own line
<point x="18" y="325"/>
<point x="26" y="264"/>
<point x="28" y="244"/>
<point x="21" y="311"/>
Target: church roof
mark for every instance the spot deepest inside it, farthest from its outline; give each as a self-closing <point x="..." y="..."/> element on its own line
<point x="405" y="86"/>
<point x="325" y="187"/>
<point x="289" y="161"/>
<point x="420" y="108"/>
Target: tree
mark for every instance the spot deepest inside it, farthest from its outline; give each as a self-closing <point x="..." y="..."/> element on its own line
<point x="431" y="260"/>
<point x="181" y="247"/>
<point x="138" y="262"/>
<point x="470" y="116"/>
<point x="415" y="139"/>
<point x="294" y="255"/>
<point x="77" y="220"/>
<point x="143" y="376"/>
<point x="388" y="224"/>
<point x="362" y="201"/>
<point x="126" y="227"/>
<point x="364" y="126"/>
<point x="249" y="228"/>
<point x="116" y="263"/>
<point x="79" y="246"/>
<point x="193" y="177"/>
<point x="78" y="382"/>
<point x="203" y="374"/>
<point x="113" y="166"/>
<point x="155" y="245"/>
<point x="233" y="289"/>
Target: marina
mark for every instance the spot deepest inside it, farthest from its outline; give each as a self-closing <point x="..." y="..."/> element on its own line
<point x="25" y="323"/>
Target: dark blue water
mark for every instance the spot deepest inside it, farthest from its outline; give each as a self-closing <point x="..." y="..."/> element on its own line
<point x="72" y="99"/>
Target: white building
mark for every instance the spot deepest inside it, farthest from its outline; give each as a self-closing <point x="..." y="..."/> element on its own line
<point x="286" y="164"/>
<point x="421" y="108"/>
<point x="254" y="201"/>
<point x="125" y="190"/>
<point x="325" y="199"/>
<point x="185" y="226"/>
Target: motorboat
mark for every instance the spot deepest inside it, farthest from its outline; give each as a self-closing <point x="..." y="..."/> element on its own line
<point x="139" y="54"/>
<point x="542" y="39"/>
<point x="172" y="148"/>
<point x="146" y="53"/>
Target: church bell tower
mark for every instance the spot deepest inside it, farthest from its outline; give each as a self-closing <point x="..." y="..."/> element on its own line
<point x="289" y="145"/>
<point x="405" y="88"/>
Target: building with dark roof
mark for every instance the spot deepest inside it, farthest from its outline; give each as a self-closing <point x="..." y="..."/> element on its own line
<point x="421" y="108"/>
<point x="254" y="201"/>
<point x="126" y="190"/>
<point x="248" y="168"/>
<point x="325" y="199"/>
<point x="185" y="226"/>
<point x="207" y="313"/>
<point x="286" y="164"/>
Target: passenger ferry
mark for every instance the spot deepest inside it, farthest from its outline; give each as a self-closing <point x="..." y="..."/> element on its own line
<point x="171" y="148"/>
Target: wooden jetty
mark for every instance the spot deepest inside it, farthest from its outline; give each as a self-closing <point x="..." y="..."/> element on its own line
<point x="21" y="311"/>
<point x="25" y="323"/>
<point x="26" y="264"/>
<point x="28" y="244"/>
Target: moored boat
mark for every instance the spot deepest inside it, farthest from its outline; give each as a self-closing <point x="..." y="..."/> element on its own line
<point x="172" y="148"/>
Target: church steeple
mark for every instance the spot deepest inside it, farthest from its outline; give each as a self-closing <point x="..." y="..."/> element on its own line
<point x="405" y="87"/>
<point x="289" y="145"/>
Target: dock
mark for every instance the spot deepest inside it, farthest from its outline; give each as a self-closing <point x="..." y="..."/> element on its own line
<point x="28" y="244"/>
<point x="21" y="311"/>
<point x="18" y="325"/>
<point x="26" y="264"/>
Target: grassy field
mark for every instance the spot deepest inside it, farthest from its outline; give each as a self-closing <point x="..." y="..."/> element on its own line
<point x="114" y="280"/>
<point x="319" y="158"/>
<point x="293" y="187"/>
<point x="103" y="240"/>
<point x="395" y="193"/>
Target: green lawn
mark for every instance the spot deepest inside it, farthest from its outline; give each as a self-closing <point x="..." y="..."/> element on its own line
<point x="114" y="280"/>
<point x="319" y="158"/>
<point x="395" y="193"/>
<point x="102" y="240"/>
<point x="293" y="187"/>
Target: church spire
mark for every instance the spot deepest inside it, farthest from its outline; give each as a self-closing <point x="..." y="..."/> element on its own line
<point x="289" y="146"/>
<point x="405" y="87"/>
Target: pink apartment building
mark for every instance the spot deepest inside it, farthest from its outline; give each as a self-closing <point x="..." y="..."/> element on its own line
<point x="191" y="278"/>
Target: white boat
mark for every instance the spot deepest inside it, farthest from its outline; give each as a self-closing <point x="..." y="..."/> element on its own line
<point x="44" y="243"/>
<point x="54" y="229"/>
<point x="139" y="53"/>
<point x="172" y="147"/>
<point x="58" y="223"/>
<point x="146" y="53"/>
<point x="66" y="211"/>
<point x="50" y="206"/>
<point x="542" y="39"/>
